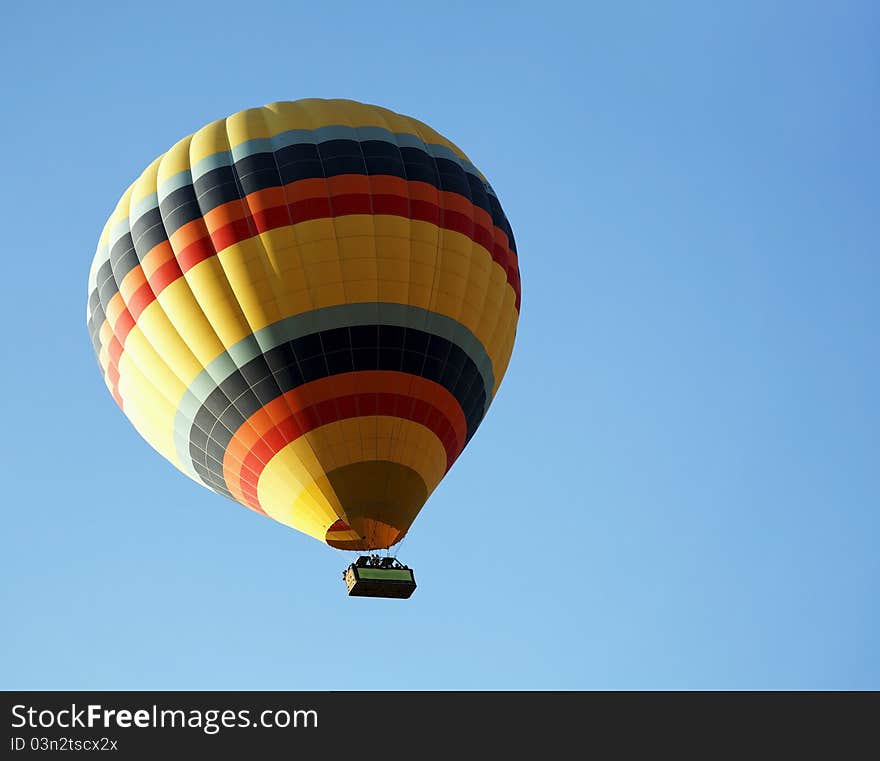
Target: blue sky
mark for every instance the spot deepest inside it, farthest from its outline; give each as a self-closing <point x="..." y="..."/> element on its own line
<point x="678" y="484"/>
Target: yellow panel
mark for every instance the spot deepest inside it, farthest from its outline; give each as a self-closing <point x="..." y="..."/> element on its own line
<point x="335" y="445"/>
<point x="216" y="300"/>
<point x="148" y="409"/>
<point x="115" y="307"/>
<point x="145" y="185"/>
<point x="157" y="328"/>
<point x="321" y="273"/>
<point x="424" y="233"/>
<point x="210" y="139"/>
<point x="505" y="313"/>
<point x="453" y="241"/>
<point x="174" y="161"/>
<point x="388" y="225"/>
<point x="357" y="249"/>
<point x="247" y="125"/>
<point x="355" y="226"/>
<point x="355" y="270"/>
<point x="314" y="230"/>
<point x="329" y="295"/>
<point x="151" y="365"/>
<point x="248" y="274"/>
<point x="361" y="291"/>
<point x="120" y="213"/>
<point x="180" y="305"/>
<point x="290" y="491"/>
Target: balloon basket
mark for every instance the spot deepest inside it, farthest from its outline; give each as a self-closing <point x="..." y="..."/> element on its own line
<point x="372" y="576"/>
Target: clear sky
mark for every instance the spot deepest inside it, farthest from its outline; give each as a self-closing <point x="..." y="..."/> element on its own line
<point x="678" y="485"/>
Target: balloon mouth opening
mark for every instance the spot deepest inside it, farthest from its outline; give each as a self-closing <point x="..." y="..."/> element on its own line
<point x="363" y="534"/>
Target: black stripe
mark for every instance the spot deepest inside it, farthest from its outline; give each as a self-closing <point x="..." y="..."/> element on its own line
<point x="304" y="161"/>
<point x="320" y="355"/>
<point x="94" y="299"/>
<point x="215" y="187"/>
<point x="96" y="320"/>
<point x="123" y="258"/>
<point x="108" y="286"/>
<point x="180" y="208"/>
<point x="148" y="232"/>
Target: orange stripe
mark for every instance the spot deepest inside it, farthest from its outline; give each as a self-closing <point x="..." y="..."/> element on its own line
<point x="273" y="415"/>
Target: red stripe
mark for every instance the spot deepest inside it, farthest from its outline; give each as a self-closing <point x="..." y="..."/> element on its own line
<point x="165" y="275"/>
<point x="351" y="203"/>
<point x="424" y="211"/>
<point x="113" y="377"/>
<point x="202" y="249"/>
<point x="396" y="206"/>
<point x="269" y="219"/>
<point x="114" y="352"/>
<point x="494" y="241"/>
<point x="124" y="324"/>
<point x="309" y="208"/>
<point x="143" y="297"/>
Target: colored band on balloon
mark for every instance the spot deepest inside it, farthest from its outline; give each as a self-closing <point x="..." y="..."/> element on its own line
<point x="254" y="383"/>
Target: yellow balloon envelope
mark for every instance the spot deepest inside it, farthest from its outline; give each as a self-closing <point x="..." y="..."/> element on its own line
<point x="308" y="308"/>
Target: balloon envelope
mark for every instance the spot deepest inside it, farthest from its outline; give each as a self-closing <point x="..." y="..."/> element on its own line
<point x="308" y="308"/>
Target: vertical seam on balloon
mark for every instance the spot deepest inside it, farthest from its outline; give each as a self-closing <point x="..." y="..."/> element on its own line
<point x="344" y="118"/>
<point x="488" y="392"/>
<point x="175" y="404"/>
<point x="188" y="286"/>
<point x="505" y="317"/>
<point x="473" y="245"/>
<point x="144" y="380"/>
<point x="197" y="305"/>
<point x="252" y="336"/>
<point x="249" y="217"/>
<point x="338" y="108"/>
<point x="419" y="126"/>
<point x="263" y="111"/>
<point x="414" y="129"/>
<point x="307" y="118"/>
<point x="186" y="464"/>
<point x="395" y="426"/>
<point x="309" y="290"/>
<point x="135" y="394"/>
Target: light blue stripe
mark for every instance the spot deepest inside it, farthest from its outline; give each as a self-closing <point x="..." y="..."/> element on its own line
<point x="323" y="134"/>
<point x="102" y="254"/>
<point x="179" y="180"/>
<point x="297" y="137"/>
<point x="210" y="163"/>
<point x="119" y="230"/>
<point x="144" y="205"/>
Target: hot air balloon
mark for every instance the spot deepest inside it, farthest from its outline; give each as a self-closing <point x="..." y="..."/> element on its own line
<point x="308" y="307"/>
